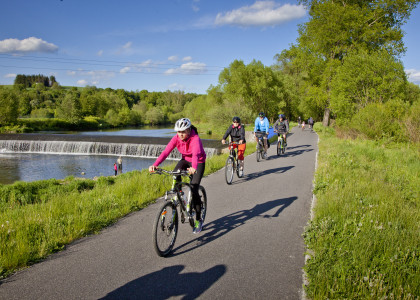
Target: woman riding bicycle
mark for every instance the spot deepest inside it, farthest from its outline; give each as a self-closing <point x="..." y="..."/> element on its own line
<point x="261" y="129"/>
<point x="237" y="134"/>
<point x="193" y="159"/>
<point x="281" y="126"/>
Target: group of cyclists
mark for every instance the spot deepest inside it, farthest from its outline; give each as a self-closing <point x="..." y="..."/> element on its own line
<point x="301" y="123"/>
<point x="193" y="158"/>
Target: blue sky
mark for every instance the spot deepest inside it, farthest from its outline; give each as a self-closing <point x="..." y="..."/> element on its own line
<point x="155" y="45"/>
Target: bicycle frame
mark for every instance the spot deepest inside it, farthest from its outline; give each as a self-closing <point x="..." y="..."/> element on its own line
<point x="176" y="188"/>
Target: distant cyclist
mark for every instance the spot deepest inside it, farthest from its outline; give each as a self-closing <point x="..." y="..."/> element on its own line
<point x="193" y="159"/>
<point x="311" y="122"/>
<point x="262" y="125"/>
<point x="299" y="121"/>
<point x="281" y="126"/>
<point x="237" y="134"/>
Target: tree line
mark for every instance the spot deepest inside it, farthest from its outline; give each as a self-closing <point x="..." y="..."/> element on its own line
<point x="31" y="80"/>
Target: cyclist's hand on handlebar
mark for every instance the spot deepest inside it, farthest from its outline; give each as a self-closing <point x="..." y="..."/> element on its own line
<point x="223" y="142"/>
<point x="152" y="169"/>
<point x="241" y="141"/>
<point x="191" y="171"/>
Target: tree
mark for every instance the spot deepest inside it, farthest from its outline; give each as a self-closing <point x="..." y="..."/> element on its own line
<point x="258" y="86"/>
<point x="337" y="28"/>
<point x="70" y="109"/>
<point x="9" y="106"/>
<point x="366" y="78"/>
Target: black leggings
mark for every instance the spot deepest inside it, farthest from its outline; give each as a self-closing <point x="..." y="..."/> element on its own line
<point x="195" y="183"/>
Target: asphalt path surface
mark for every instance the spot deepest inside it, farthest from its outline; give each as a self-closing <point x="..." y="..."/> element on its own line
<point x="251" y="246"/>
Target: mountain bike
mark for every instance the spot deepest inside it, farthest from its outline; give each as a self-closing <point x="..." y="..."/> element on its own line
<point x="232" y="163"/>
<point x="260" y="145"/>
<point x="281" y="148"/>
<point x="165" y="227"/>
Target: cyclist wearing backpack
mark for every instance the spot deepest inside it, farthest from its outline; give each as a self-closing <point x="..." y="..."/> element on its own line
<point x="237" y="134"/>
<point x="193" y="159"/>
<point x="311" y="122"/>
<point x="282" y="127"/>
<point x="262" y="125"/>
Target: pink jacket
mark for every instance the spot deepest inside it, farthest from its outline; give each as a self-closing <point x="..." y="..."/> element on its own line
<point x="191" y="149"/>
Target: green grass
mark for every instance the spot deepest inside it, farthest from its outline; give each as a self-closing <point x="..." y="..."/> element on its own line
<point x="365" y="238"/>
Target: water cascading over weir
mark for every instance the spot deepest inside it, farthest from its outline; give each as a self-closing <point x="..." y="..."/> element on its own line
<point x="142" y="147"/>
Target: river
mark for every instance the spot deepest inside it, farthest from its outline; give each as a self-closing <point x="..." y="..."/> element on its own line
<point x="38" y="166"/>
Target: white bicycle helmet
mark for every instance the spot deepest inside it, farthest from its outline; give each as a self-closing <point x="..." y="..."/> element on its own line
<point x="182" y="124"/>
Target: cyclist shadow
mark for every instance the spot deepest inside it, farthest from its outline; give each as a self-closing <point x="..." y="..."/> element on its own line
<point x="224" y="225"/>
<point x="255" y="175"/>
<point x="168" y="283"/>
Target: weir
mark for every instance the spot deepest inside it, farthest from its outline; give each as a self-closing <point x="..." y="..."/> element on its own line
<point x="145" y="147"/>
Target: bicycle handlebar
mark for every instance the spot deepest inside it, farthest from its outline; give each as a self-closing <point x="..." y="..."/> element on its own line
<point x="172" y="173"/>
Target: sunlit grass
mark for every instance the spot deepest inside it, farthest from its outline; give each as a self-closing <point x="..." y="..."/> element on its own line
<point x="364" y="239"/>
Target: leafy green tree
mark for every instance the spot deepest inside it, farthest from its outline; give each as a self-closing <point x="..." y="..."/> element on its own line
<point x="364" y="78"/>
<point x="9" y="106"/>
<point x="154" y="116"/>
<point x="338" y="27"/>
<point x="70" y="109"/>
<point x="259" y="87"/>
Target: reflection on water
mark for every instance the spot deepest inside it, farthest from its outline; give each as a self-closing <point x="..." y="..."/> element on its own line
<point x="32" y="167"/>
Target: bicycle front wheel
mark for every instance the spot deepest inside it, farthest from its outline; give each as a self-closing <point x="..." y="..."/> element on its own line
<point x="279" y="148"/>
<point x="229" y="169"/>
<point x="165" y="229"/>
<point x="258" y="155"/>
<point x="203" y="201"/>
<point x="238" y="169"/>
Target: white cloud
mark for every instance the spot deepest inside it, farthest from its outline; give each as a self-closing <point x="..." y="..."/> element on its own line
<point x="127" y="45"/>
<point x="413" y="75"/>
<point x="261" y="13"/>
<point x="187" y="58"/>
<point x="188" y="68"/>
<point x="82" y="82"/>
<point x="173" y="58"/>
<point x="100" y="52"/>
<point x="126" y="49"/>
<point x="125" y="70"/>
<point x="10" y="75"/>
<point x="28" y="45"/>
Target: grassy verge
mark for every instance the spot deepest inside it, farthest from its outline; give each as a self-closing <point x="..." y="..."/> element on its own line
<point x="364" y="239"/>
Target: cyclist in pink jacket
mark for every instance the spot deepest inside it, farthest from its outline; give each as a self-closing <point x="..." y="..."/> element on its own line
<point x="193" y="159"/>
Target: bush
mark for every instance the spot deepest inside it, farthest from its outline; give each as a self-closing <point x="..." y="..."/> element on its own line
<point x="377" y="120"/>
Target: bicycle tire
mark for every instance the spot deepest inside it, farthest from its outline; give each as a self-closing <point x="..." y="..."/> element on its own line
<point x="229" y="169"/>
<point x="203" y="199"/>
<point x="165" y="230"/>
<point x="238" y="171"/>
<point x="278" y="148"/>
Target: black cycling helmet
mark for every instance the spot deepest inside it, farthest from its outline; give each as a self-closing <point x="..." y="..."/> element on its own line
<point x="261" y="115"/>
<point x="281" y="116"/>
<point x="236" y="120"/>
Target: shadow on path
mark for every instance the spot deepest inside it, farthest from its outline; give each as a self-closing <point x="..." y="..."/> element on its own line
<point x="168" y="283"/>
<point x="222" y="226"/>
<point x="256" y="175"/>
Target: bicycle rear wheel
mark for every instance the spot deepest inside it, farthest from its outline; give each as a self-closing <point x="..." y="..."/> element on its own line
<point x="165" y="229"/>
<point x="229" y="169"/>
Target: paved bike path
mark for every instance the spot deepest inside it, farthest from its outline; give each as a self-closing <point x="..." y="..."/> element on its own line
<point x="250" y="248"/>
